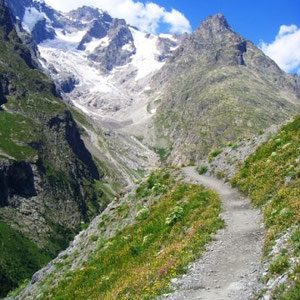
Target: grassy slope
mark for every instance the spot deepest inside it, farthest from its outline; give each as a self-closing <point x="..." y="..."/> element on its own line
<point x="140" y="260"/>
<point x="30" y="99"/>
<point x="15" y="135"/>
<point x="206" y="115"/>
<point x="27" y="258"/>
<point x="271" y="177"/>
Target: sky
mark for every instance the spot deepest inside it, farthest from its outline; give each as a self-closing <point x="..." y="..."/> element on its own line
<point x="273" y="25"/>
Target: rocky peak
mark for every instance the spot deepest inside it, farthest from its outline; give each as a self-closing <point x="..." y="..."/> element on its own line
<point x="217" y="22"/>
<point x="88" y="14"/>
<point x="213" y="27"/>
<point x="214" y="42"/>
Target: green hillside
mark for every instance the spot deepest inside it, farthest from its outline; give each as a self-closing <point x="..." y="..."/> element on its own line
<point x="271" y="177"/>
<point x="157" y="245"/>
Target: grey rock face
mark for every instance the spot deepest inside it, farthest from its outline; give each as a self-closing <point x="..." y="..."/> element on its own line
<point x="97" y="24"/>
<point x="113" y="55"/>
<point x="88" y="14"/>
<point x="30" y="189"/>
<point x="68" y="84"/>
<point x="42" y="29"/>
<point x="98" y="31"/>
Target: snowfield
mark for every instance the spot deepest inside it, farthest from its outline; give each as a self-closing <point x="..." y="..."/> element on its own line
<point x="121" y="95"/>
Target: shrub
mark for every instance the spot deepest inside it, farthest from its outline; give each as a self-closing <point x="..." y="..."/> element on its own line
<point x="202" y="170"/>
<point x="214" y="153"/>
<point x="175" y="215"/>
<point x="143" y="214"/>
<point x="279" y="265"/>
<point x="84" y="226"/>
<point x="220" y="174"/>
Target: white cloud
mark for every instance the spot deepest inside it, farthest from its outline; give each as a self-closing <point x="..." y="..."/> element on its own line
<point x="177" y="21"/>
<point x="285" y="49"/>
<point x="147" y="17"/>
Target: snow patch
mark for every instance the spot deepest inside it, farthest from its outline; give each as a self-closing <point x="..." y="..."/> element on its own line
<point x="91" y="46"/>
<point x="145" y="59"/>
<point x="65" y="40"/>
<point x="174" y="48"/>
<point x="127" y="47"/>
<point x="31" y="17"/>
<point x="168" y="36"/>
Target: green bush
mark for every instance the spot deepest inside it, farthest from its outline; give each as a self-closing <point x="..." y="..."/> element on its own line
<point x="175" y="215"/>
<point x="279" y="265"/>
<point x="213" y="154"/>
<point x="143" y="214"/>
<point x="202" y="170"/>
<point x="220" y="174"/>
<point x="157" y="183"/>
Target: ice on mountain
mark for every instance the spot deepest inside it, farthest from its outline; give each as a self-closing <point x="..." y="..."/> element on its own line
<point x="65" y="40"/>
<point x="127" y="47"/>
<point x="31" y="17"/>
<point x="145" y="59"/>
<point x="91" y="46"/>
<point x="168" y="36"/>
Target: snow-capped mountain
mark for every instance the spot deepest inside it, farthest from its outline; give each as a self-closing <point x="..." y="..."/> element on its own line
<point x="99" y="63"/>
<point x="167" y="89"/>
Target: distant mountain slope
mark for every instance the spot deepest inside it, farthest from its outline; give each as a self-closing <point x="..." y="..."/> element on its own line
<point x="218" y="87"/>
<point x="99" y="63"/>
<point x="181" y="95"/>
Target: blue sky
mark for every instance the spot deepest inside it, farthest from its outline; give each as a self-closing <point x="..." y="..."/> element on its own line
<point x="273" y="25"/>
<point x="254" y="19"/>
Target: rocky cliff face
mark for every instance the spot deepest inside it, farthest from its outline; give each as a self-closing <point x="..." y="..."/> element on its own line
<point x="47" y="175"/>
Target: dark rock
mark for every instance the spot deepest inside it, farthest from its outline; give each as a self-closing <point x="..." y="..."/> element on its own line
<point x="98" y="30"/>
<point x="41" y="33"/>
<point x="5" y="19"/>
<point x="16" y="179"/>
<point x="114" y="55"/>
<point x="68" y="85"/>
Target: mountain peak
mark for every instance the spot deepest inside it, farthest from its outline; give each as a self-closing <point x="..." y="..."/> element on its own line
<point x="216" y="23"/>
<point x="214" y="28"/>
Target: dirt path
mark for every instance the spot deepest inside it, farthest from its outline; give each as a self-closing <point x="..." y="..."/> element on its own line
<point x="230" y="267"/>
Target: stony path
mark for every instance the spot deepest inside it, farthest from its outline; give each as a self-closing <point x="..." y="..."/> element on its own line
<point x="230" y="267"/>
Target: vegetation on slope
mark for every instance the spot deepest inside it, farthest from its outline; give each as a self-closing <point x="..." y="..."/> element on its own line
<point x="47" y="175"/>
<point x="271" y="177"/>
<point x="19" y="258"/>
<point x="15" y="135"/>
<point x="140" y="260"/>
